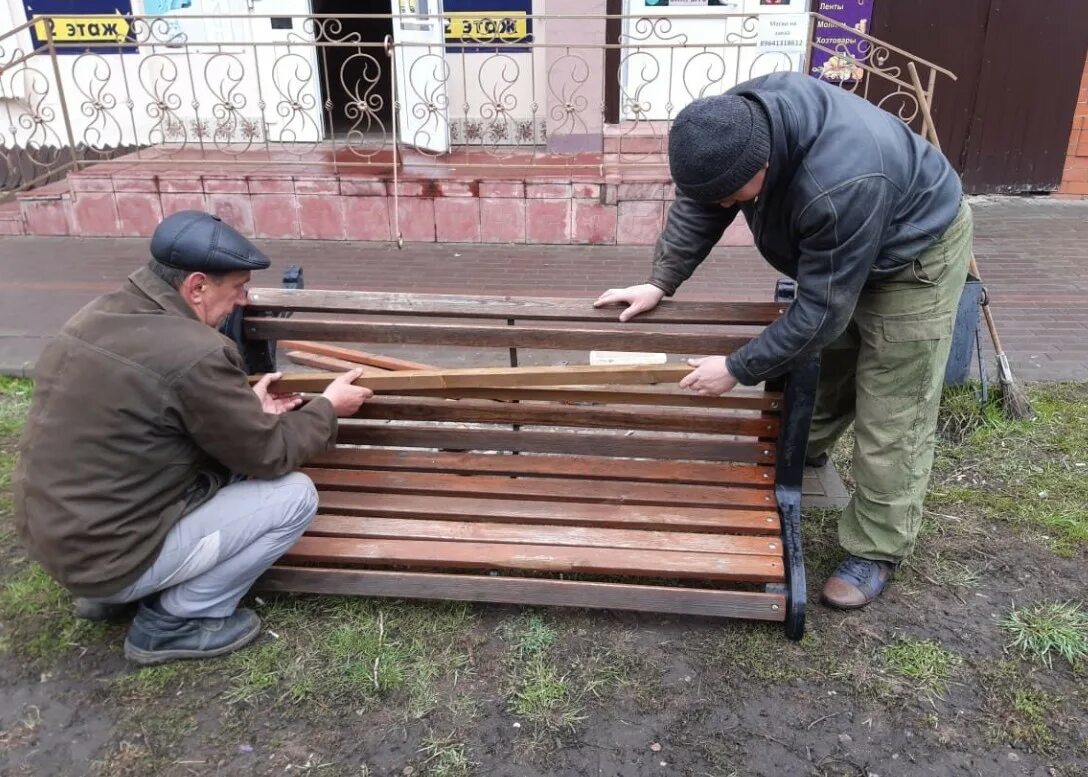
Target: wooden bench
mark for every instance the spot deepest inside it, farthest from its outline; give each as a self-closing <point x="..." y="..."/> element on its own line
<point x="628" y="497"/>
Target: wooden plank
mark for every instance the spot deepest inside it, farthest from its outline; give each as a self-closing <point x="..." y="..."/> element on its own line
<point x="683" y="518"/>
<point x="537" y="558"/>
<point x="535" y="414"/>
<point x="354" y="356"/>
<point x="330" y="364"/>
<point x="585" y="467"/>
<point x="645" y="445"/>
<point x="524" y="308"/>
<point x="530" y="591"/>
<point x="498" y="377"/>
<point x="544" y="489"/>
<point x="668" y="395"/>
<point x="521" y="336"/>
<point x="465" y="531"/>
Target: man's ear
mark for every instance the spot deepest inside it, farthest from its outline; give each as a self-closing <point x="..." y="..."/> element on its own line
<point x="192" y="288"/>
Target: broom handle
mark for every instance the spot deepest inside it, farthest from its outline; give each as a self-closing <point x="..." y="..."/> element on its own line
<point x="931" y="135"/>
<point x="986" y="312"/>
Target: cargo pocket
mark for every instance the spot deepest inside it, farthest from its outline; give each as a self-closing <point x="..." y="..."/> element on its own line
<point x="908" y="352"/>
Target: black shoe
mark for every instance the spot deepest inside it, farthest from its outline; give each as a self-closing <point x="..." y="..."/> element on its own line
<point x="157" y="637"/>
<point x="816" y="461"/>
<point x="94" y="610"/>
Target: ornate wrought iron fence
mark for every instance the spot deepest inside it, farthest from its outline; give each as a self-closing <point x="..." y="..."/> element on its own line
<point x="202" y="90"/>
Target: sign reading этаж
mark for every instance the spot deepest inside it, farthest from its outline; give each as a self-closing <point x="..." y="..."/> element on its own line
<point x="487" y="25"/>
<point x="78" y="21"/>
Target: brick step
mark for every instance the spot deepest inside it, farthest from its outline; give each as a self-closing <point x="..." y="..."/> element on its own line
<point x="11" y="219"/>
<point x="626" y="205"/>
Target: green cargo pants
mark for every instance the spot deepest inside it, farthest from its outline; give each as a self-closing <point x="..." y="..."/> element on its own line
<point x="885" y="373"/>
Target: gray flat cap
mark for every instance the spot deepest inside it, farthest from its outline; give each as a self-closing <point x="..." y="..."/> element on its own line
<point x="200" y="242"/>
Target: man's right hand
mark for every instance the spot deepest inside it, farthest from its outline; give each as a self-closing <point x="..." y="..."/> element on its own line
<point x="346" y="398"/>
<point x="638" y="299"/>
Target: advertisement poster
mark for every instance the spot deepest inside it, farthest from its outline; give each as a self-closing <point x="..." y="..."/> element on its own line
<point x="786" y="34"/>
<point x="729" y="5"/>
<point x="857" y="14"/>
<point x="79" y="21"/>
<point x="472" y="24"/>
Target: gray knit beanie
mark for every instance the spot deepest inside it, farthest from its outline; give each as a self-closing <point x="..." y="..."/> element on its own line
<point x="717" y="145"/>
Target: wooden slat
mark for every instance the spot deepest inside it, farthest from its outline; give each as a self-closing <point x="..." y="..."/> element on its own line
<point x="544" y="489"/>
<point x="768" y="402"/>
<point x="531" y="591"/>
<point x="485" y="377"/>
<point x="465" y="531"/>
<point x="539" y="558"/>
<point x="521" y="336"/>
<point x="586" y="467"/>
<point x="636" y="445"/>
<point x="684" y="518"/>
<point x="535" y="414"/>
<point x="330" y="364"/>
<point x="524" y="308"/>
<point x="353" y="356"/>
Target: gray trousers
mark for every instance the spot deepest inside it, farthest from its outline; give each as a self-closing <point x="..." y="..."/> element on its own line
<point x="212" y="556"/>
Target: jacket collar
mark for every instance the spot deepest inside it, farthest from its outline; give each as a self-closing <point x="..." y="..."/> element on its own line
<point x="782" y="164"/>
<point x="162" y="294"/>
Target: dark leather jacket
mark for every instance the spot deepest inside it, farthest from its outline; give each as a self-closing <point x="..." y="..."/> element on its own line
<point x="851" y="194"/>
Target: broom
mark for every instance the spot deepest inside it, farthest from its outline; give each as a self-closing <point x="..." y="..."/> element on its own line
<point x="1014" y="401"/>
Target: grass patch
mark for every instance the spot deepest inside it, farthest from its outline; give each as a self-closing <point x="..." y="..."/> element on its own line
<point x="609" y="669"/>
<point x="753" y="652"/>
<point x="1032" y="473"/>
<point x="151" y="682"/>
<point x="1017" y="712"/>
<point x="41" y="626"/>
<point x="1043" y="631"/>
<point x="15" y="396"/>
<point x="445" y="758"/>
<point x="923" y="663"/>
<point x="538" y="690"/>
<point x="324" y="653"/>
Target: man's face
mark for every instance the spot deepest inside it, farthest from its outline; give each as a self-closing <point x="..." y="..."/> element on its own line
<point x="747" y="192"/>
<point x="212" y="298"/>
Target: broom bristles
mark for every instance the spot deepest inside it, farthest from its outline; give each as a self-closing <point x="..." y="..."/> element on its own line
<point x="1014" y="401"/>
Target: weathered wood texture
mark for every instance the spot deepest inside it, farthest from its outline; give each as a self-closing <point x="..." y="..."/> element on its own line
<point x="555" y="338"/>
<point x="330" y="364"/>
<point x="522" y="590"/>
<point x="523" y="308"/>
<point x="611" y="473"/>
<point x="491" y="377"/>
<point x="353" y="356"/>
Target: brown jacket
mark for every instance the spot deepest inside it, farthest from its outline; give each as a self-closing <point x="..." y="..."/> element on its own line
<point x="140" y="413"/>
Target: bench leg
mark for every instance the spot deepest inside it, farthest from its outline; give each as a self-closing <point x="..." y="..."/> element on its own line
<point x="789" y="510"/>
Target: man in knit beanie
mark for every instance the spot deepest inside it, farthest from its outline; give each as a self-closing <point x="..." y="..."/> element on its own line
<point x="869" y="219"/>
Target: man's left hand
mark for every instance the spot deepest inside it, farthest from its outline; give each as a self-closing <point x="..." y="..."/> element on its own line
<point x="711" y="377"/>
<point x="276" y="404"/>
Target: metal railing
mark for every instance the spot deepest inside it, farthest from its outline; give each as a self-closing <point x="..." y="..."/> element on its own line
<point x="297" y="90"/>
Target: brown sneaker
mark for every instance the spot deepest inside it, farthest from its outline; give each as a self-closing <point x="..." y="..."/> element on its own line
<point x="857" y="582"/>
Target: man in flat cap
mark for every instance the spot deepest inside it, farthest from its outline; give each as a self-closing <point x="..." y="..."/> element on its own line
<point x="150" y="471"/>
<point x="869" y="219"/>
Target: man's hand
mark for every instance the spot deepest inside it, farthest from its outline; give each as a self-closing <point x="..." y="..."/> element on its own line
<point x="711" y="377"/>
<point x="275" y="404"/>
<point x="346" y="398"/>
<point x="638" y="299"/>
